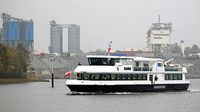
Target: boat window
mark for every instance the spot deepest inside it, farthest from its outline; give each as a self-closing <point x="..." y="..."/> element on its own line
<point x="105" y="77"/>
<point x="179" y="77"/>
<point x="139" y="77"/>
<point x="166" y="76"/>
<point x="137" y="68"/>
<point x="119" y="76"/>
<point x="173" y="76"/>
<point x="127" y="68"/>
<point x="108" y="76"/>
<point x="97" y="77"/>
<point x="126" y="61"/>
<point x="145" y="64"/>
<point x="172" y="69"/>
<point x="112" y="61"/>
<point x="160" y="64"/>
<point x="113" y="77"/>
<point x="124" y="77"/>
<point x="79" y="76"/>
<point x="137" y="63"/>
<point x="86" y="76"/>
<point x="129" y="76"/>
<point x="134" y="76"/>
<point x="145" y="68"/>
<point x="170" y="76"/>
<point x="98" y="61"/>
<point x="92" y="76"/>
<point x="151" y="78"/>
<point x="103" y="61"/>
<point x="117" y="60"/>
<point x="144" y="77"/>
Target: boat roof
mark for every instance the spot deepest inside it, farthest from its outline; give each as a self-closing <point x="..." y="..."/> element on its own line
<point x="131" y="57"/>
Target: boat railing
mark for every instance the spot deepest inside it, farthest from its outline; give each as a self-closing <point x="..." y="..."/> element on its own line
<point x="173" y="68"/>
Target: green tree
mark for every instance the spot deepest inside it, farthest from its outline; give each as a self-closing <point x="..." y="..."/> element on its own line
<point x="22" y="58"/>
<point x="13" y="63"/>
<point x="6" y="60"/>
<point x="177" y="49"/>
<point x="187" y="51"/>
<point x="195" y="49"/>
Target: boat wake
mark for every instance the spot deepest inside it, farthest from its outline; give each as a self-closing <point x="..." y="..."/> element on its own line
<point x="125" y="93"/>
<point x="101" y="93"/>
<point x="194" y="90"/>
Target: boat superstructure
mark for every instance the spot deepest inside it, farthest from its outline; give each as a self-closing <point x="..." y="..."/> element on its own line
<point x="127" y="74"/>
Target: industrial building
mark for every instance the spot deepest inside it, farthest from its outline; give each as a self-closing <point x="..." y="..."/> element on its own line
<point x="74" y="39"/>
<point x="17" y="31"/>
<point x="159" y="37"/>
<point x="56" y="38"/>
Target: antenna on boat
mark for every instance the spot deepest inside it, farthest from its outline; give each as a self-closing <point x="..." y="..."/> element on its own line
<point x="109" y="48"/>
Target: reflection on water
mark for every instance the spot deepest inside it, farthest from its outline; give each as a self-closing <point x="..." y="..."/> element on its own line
<point x="40" y="97"/>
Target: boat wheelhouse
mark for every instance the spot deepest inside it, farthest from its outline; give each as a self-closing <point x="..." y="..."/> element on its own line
<point x="127" y="74"/>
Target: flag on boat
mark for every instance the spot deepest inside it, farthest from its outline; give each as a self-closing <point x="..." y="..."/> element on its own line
<point x="68" y="74"/>
<point x="109" y="46"/>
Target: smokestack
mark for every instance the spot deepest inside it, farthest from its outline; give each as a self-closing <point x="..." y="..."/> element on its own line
<point x="158" y="18"/>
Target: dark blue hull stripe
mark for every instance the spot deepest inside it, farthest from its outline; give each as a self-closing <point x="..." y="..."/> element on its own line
<point x="128" y="88"/>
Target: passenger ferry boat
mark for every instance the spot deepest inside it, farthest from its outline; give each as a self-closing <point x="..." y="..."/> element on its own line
<point x="106" y="74"/>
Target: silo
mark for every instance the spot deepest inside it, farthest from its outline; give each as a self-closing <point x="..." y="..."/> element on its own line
<point x="28" y="34"/>
<point x="17" y="31"/>
<point x="56" y="39"/>
<point x="11" y="33"/>
<point x="74" y="39"/>
<point x="29" y="31"/>
<point x="22" y="32"/>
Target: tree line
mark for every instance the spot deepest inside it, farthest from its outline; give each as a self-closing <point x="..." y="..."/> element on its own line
<point x="191" y="51"/>
<point x="14" y="62"/>
<point x="188" y="51"/>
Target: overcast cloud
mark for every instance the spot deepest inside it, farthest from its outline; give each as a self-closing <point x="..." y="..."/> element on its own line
<point x="125" y="22"/>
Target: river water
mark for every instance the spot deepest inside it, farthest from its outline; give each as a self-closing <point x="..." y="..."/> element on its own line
<point x="40" y="97"/>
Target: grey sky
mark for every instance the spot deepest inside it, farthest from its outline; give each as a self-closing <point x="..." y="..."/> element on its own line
<point x="125" y="22"/>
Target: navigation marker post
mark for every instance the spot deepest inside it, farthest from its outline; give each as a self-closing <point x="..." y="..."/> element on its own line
<point x="53" y="58"/>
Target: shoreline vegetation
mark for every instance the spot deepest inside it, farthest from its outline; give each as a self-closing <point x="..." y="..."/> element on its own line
<point x="21" y="80"/>
<point x="192" y="76"/>
<point x="16" y="81"/>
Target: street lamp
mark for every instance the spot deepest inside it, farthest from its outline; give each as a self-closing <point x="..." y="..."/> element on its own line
<point x="53" y="58"/>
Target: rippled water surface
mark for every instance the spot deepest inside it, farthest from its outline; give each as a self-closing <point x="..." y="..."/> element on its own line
<point x="40" y="97"/>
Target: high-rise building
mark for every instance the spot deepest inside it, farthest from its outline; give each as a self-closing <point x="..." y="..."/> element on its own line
<point x="74" y="39"/>
<point x="56" y="38"/>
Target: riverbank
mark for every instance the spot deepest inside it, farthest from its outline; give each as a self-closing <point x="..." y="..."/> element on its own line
<point x="192" y="76"/>
<point x="21" y="80"/>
